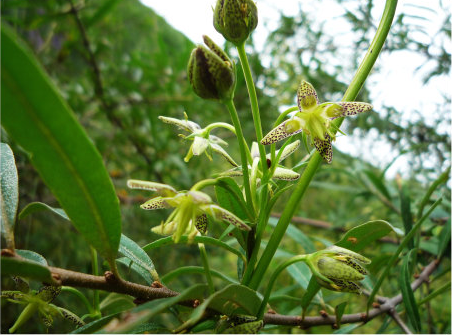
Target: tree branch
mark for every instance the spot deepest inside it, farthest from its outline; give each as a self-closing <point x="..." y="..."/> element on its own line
<point x="143" y="293"/>
<point x="399" y="321"/>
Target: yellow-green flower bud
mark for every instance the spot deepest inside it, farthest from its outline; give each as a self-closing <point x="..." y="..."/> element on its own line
<point x="338" y="269"/>
<point x="211" y="73"/>
<point x="235" y="19"/>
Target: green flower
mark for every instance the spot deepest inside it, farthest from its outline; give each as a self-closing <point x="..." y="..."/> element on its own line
<point x="235" y="19"/>
<point x="281" y="173"/>
<point x="211" y="73"/>
<point x="315" y="120"/>
<point x="39" y="303"/>
<point x="203" y="141"/>
<point x="191" y="210"/>
<point x="338" y="269"/>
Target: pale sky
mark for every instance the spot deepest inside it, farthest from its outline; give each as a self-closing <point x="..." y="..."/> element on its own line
<point x="397" y="84"/>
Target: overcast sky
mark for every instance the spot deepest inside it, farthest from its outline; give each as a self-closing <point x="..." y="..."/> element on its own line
<point x="397" y="84"/>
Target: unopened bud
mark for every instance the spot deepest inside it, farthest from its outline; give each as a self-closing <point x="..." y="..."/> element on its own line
<point x="211" y="73"/>
<point x="235" y="19"/>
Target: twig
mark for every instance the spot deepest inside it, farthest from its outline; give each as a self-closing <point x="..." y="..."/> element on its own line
<point x="399" y="321"/>
<point x="143" y="293"/>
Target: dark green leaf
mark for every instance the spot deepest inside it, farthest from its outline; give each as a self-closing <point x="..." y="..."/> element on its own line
<point x="311" y="291"/>
<point x="405" y="210"/>
<point x="231" y="198"/>
<point x="348" y="329"/>
<point x="135" y="253"/>
<point x="339" y="311"/>
<point x="444" y="239"/>
<point x="92" y="327"/>
<point x="32" y="256"/>
<point x="115" y="303"/>
<point x="233" y="299"/>
<point x="363" y="235"/>
<point x="136" y="268"/>
<point x="9" y="193"/>
<point x="150" y="328"/>
<point x="407" y="293"/>
<point x="36" y="117"/>
<point x="40" y="206"/>
<point x="24" y="268"/>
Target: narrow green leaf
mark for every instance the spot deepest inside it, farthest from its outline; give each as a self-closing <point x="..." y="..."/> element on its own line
<point x="40" y="206"/>
<point x="347" y="329"/>
<point x="405" y="210"/>
<point x="94" y="326"/>
<point x="363" y="235"/>
<point x="150" y="328"/>
<point x="9" y="192"/>
<point x="233" y="299"/>
<point x="441" y="290"/>
<point x="394" y="257"/>
<point x="444" y="177"/>
<point x="24" y="268"/>
<point x="339" y="311"/>
<point x="135" y="253"/>
<point x="231" y="198"/>
<point x="32" y="256"/>
<point x="297" y="235"/>
<point x="311" y="291"/>
<point x="145" y="274"/>
<point x="36" y="117"/>
<point x="444" y="239"/>
<point x="301" y="274"/>
<point x="115" y="303"/>
<point x="407" y="293"/>
<point x="377" y="183"/>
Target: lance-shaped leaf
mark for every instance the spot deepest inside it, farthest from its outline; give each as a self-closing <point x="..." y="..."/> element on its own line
<point x="9" y="194"/>
<point x="37" y="118"/>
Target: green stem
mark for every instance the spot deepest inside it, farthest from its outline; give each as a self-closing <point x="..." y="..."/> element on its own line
<point x="203" y="183"/>
<point x="253" y="100"/>
<point x="214" y="125"/>
<point x="26" y="314"/>
<point x="95" y="271"/>
<point x="205" y="263"/>
<point x="279" y="269"/>
<point x="308" y="174"/>
<point x="79" y="295"/>
<point x="283" y="115"/>
<point x="243" y="149"/>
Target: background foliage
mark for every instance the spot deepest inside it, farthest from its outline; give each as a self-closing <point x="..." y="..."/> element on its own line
<point x="135" y="70"/>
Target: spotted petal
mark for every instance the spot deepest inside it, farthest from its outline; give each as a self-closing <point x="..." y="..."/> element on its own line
<point x="287" y="128"/>
<point x="348" y="253"/>
<point x="186" y="125"/>
<point x="324" y="148"/>
<point x="334" y="269"/>
<point x="307" y="96"/>
<point x="201" y="223"/>
<point x="285" y="174"/>
<point x="352" y="108"/>
<point x="162" y="189"/>
<point x="233" y="173"/>
<point x="222" y="214"/>
<point x="222" y="152"/>
<point x="340" y="285"/>
<point x="155" y="203"/>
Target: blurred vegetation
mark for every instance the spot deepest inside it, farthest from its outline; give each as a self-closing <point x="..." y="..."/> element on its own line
<point x="120" y="66"/>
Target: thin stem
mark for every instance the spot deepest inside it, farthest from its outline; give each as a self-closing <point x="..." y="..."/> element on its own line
<point x="254" y="104"/>
<point x="283" y="115"/>
<point x="214" y="125"/>
<point x="95" y="271"/>
<point x="308" y="174"/>
<point x="203" y="183"/>
<point x="243" y="149"/>
<point x="205" y="263"/>
<point x="279" y="269"/>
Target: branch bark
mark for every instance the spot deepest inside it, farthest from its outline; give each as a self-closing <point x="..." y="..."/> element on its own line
<point x="143" y="293"/>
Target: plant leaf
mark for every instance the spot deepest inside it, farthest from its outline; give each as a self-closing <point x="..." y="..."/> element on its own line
<point x="444" y="240"/>
<point x="25" y="268"/>
<point x="135" y="253"/>
<point x="407" y="293"/>
<point x="138" y="269"/>
<point x="37" y="118"/>
<point x="339" y="311"/>
<point x="32" y="256"/>
<point x="40" y="206"/>
<point x="405" y="211"/>
<point x="231" y="198"/>
<point x="363" y="235"/>
<point x="9" y="193"/>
